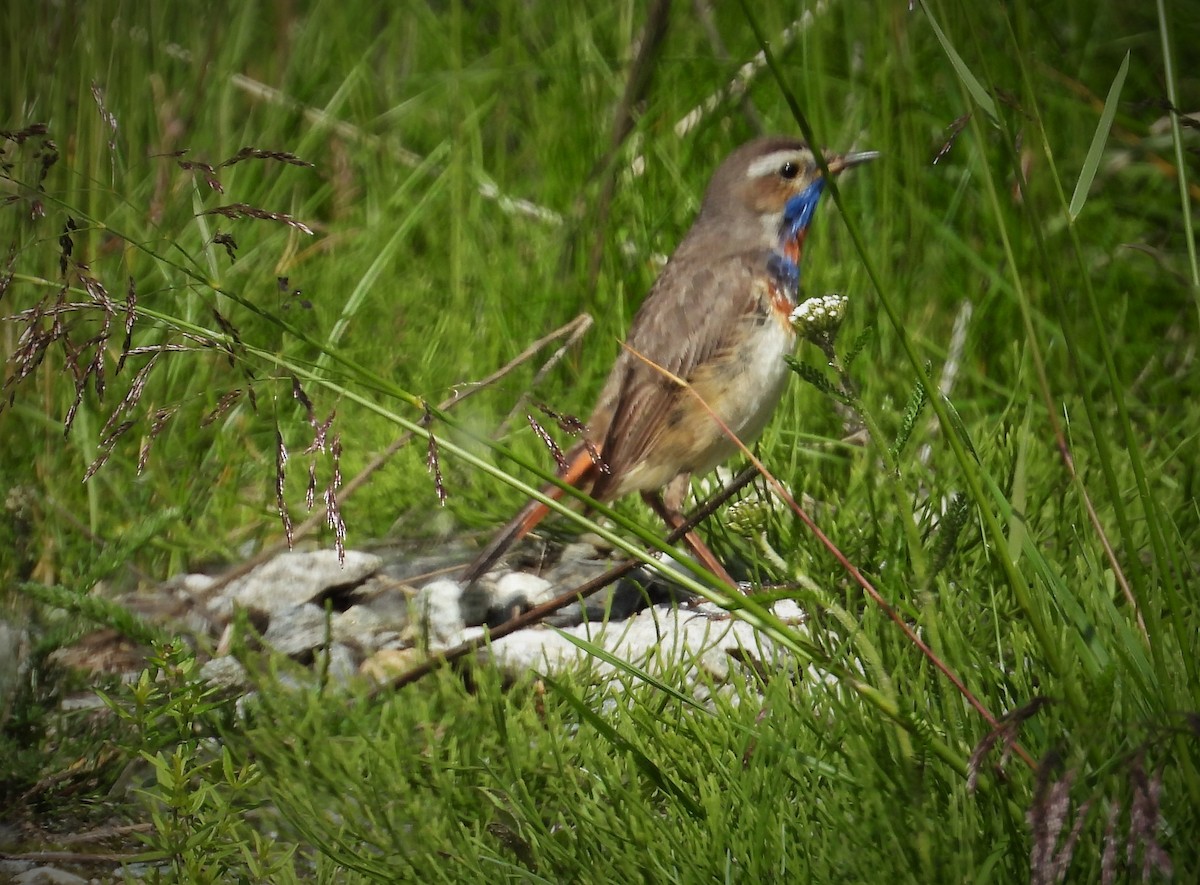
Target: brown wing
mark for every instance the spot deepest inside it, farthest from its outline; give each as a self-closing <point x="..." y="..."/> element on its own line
<point x="688" y="320"/>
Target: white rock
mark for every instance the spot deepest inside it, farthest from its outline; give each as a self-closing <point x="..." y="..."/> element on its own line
<point x="789" y="611"/>
<point x="195" y="584"/>
<point x="470" y="634"/>
<point x="654" y="640"/>
<point x="439" y="613"/>
<point x="517" y="588"/>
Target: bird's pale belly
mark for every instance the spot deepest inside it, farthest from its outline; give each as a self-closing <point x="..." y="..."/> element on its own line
<point x="743" y="390"/>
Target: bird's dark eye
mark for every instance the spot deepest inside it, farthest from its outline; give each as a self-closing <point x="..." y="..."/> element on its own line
<point x="789" y="170"/>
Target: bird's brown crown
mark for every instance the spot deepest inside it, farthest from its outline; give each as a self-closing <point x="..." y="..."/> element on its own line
<point x="761" y="176"/>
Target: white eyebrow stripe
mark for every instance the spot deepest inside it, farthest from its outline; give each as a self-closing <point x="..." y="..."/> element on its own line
<point x="770" y="163"/>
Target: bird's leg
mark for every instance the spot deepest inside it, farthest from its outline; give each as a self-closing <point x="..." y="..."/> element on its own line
<point x="669" y="510"/>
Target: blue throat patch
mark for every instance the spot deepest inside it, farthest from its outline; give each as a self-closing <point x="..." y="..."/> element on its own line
<point x="785" y="273"/>
<point x="798" y="211"/>
<point x="797" y="215"/>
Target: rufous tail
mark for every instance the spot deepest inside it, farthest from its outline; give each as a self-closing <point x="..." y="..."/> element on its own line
<point x="580" y="466"/>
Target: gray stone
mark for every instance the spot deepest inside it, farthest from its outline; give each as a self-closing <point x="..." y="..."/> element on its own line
<point x="224" y="672"/>
<point x="359" y="626"/>
<point x="48" y="876"/>
<point x="10" y="868"/>
<point x="387" y="598"/>
<point x="406" y="565"/>
<point x="83" y="701"/>
<point x="297" y="631"/>
<point x="391" y="639"/>
<point x="292" y="579"/>
<point x="390" y="625"/>
<point x="343" y="663"/>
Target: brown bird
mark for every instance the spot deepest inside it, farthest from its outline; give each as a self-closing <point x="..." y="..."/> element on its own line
<point x="717" y="317"/>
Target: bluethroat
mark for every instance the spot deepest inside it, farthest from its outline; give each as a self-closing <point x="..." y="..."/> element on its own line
<point x="717" y="317"/>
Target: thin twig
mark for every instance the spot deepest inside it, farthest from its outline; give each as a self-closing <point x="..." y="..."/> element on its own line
<point x="101" y="833"/>
<point x="75" y="769"/>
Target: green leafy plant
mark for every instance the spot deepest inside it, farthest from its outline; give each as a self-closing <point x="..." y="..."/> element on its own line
<point x="200" y="801"/>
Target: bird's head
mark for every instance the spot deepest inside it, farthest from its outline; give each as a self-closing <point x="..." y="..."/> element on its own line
<point x="771" y="188"/>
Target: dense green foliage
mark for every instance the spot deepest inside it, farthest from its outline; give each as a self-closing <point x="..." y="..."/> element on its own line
<point x="1045" y="326"/>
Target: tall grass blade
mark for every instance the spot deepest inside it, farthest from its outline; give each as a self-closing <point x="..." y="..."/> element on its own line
<point x="969" y="80"/>
<point x="1092" y="162"/>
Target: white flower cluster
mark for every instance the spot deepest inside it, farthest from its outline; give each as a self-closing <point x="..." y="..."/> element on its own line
<point x="819" y="317"/>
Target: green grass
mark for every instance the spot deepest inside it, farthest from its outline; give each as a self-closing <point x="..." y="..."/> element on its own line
<point x="1080" y="325"/>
